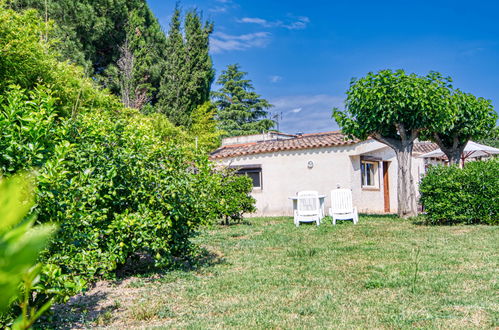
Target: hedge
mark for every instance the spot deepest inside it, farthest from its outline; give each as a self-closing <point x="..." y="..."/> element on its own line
<point x="470" y="195"/>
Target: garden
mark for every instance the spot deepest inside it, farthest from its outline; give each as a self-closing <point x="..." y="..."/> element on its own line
<point x="112" y="214"/>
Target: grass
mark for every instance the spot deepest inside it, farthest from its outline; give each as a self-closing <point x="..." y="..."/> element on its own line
<point x="382" y="273"/>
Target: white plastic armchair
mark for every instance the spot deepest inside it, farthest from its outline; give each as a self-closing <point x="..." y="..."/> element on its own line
<point x="342" y="207"/>
<point x="308" y="208"/>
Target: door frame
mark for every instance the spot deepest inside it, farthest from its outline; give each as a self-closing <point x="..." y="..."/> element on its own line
<point x="386" y="186"/>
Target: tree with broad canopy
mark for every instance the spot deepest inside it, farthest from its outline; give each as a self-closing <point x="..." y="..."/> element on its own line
<point x="393" y="107"/>
<point x="471" y="118"/>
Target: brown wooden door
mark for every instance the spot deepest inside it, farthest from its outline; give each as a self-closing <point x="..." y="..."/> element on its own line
<point x="386" y="186"/>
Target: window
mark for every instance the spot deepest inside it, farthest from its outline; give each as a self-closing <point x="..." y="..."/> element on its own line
<point x="254" y="172"/>
<point x="369" y="174"/>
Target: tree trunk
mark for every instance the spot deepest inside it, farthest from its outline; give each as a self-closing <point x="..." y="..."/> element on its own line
<point x="454" y="151"/>
<point x="454" y="155"/>
<point x="406" y="191"/>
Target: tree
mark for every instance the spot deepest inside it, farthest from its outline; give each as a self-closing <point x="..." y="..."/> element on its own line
<point x="188" y="72"/>
<point x="492" y="139"/>
<point x="472" y="118"/>
<point x="204" y="128"/>
<point x="91" y="33"/>
<point x="393" y="108"/>
<point x="130" y="78"/>
<point x="241" y="111"/>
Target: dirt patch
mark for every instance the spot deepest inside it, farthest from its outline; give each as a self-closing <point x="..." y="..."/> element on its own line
<point x="101" y="304"/>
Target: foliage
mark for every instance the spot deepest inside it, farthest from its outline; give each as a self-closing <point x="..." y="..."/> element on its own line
<point x="471" y="118"/>
<point x="20" y="244"/>
<point x="119" y="183"/>
<point x="393" y="108"/>
<point x="34" y="114"/>
<point x="492" y="139"/>
<point x="388" y="105"/>
<point x="233" y="196"/>
<point x="204" y="128"/>
<point x="91" y="32"/>
<point x="188" y="71"/>
<point x="202" y="135"/>
<point x="28" y="61"/>
<point x="136" y="74"/>
<point x="468" y="195"/>
<point x="241" y="111"/>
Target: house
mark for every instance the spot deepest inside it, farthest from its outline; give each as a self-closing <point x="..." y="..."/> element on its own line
<point x="280" y="165"/>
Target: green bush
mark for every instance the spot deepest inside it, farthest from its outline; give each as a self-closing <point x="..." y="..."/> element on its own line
<point x="233" y="196"/>
<point x="469" y="195"/>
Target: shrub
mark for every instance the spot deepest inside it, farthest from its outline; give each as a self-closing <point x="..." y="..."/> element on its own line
<point x="468" y="195"/>
<point x="233" y="196"/>
<point x="114" y="186"/>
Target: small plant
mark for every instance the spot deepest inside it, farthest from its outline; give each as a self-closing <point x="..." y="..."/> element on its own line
<point x="302" y="253"/>
<point x="20" y="244"/>
<point x="104" y="318"/>
<point x="416" y="269"/>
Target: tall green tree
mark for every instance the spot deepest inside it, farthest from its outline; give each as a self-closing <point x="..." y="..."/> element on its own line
<point x="471" y="118"/>
<point x="241" y="111"/>
<point x="188" y="72"/>
<point x="92" y="34"/>
<point x="136" y="75"/>
<point x="393" y="108"/>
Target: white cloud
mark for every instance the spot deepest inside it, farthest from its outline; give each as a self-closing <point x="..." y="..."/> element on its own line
<point x="225" y="42"/>
<point x="255" y="20"/>
<point x="275" y="79"/>
<point x="218" y="9"/>
<point x="307" y="113"/>
<point x="298" y="23"/>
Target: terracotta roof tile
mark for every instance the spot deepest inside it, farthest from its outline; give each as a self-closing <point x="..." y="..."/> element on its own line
<point x="424" y="147"/>
<point x="306" y="141"/>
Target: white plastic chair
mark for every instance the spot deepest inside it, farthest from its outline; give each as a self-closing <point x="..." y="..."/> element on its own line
<point x="341" y="206"/>
<point x="308" y="208"/>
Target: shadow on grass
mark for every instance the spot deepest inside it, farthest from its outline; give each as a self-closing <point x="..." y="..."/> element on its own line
<point x="379" y="216"/>
<point x="96" y="308"/>
<point x="78" y="312"/>
<point x="244" y="222"/>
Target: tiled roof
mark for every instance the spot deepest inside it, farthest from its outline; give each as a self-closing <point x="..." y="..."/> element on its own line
<point x="305" y="141"/>
<point x="424" y="147"/>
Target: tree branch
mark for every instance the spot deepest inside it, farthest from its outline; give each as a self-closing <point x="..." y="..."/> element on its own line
<point x="401" y="129"/>
<point x="414" y="134"/>
<point x="391" y="142"/>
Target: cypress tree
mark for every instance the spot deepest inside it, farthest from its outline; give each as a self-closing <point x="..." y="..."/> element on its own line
<point x="241" y="111"/>
<point x="188" y="72"/>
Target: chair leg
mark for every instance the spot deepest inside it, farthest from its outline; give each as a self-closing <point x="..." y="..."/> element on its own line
<point x="334" y="220"/>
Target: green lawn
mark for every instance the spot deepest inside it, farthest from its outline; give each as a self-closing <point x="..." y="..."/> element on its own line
<point x="382" y="273"/>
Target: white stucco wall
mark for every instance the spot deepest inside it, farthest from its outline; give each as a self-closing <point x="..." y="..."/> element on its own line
<point x="284" y="173"/>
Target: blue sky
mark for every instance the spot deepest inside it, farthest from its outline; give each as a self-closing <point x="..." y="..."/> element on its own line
<point x="301" y="55"/>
